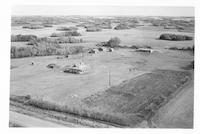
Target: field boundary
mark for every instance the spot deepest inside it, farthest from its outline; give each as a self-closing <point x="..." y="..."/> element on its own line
<point x="60" y="117"/>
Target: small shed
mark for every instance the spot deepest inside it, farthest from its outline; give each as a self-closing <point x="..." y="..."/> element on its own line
<point x="94" y="51"/>
<point x="110" y="50"/>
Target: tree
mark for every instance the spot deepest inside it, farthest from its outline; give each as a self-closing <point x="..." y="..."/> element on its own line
<point x="113" y="42"/>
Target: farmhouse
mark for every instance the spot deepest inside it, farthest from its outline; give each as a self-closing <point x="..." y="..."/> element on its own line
<point x="77" y="68"/>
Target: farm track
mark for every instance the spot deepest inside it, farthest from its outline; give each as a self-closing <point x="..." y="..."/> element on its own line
<point x="60" y="118"/>
<point x="21" y="120"/>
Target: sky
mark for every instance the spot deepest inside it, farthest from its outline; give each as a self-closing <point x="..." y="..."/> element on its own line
<point x="101" y="10"/>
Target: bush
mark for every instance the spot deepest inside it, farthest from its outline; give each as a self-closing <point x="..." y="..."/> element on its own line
<point x="22" y="38"/>
<point x="68" y="33"/>
<point x="105" y="26"/>
<point x="58" y="40"/>
<point x="174" y="37"/>
<point x="169" y="27"/>
<point x="132" y="25"/>
<point x="66" y="40"/>
<point x="134" y="47"/>
<point x="21" y="52"/>
<point x="33" y="27"/>
<point x="32" y="42"/>
<point x="80" y="25"/>
<point x="137" y="47"/>
<point x="188" y="38"/>
<point x="146" y="46"/>
<point x="121" y="27"/>
<point x="183" y="48"/>
<point x="93" y="29"/>
<point x="47" y="25"/>
<point x="190" y="66"/>
<point x="173" y="48"/>
<point x="75" y="50"/>
<point x="67" y="29"/>
<point x="113" y="42"/>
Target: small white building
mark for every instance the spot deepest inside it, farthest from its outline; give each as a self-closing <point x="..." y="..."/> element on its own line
<point x="144" y="50"/>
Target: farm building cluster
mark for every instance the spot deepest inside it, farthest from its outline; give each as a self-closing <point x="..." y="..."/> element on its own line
<point x="100" y="49"/>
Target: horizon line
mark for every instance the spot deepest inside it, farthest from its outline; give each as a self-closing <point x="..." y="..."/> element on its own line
<point x="104" y="15"/>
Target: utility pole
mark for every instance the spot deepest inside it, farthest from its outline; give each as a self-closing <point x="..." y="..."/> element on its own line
<point x="109" y="78"/>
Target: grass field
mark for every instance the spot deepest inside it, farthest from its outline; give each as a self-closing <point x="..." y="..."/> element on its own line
<point x="136" y="36"/>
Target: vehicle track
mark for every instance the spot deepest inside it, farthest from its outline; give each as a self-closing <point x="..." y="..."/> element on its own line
<point x="22" y="120"/>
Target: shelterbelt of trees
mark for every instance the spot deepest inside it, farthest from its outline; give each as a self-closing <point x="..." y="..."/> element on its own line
<point x="175" y="37"/>
<point x="44" y="46"/>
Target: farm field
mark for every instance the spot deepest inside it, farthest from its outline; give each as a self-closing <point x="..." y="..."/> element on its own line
<point x="123" y="87"/>
<point x="171" y="117"/>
